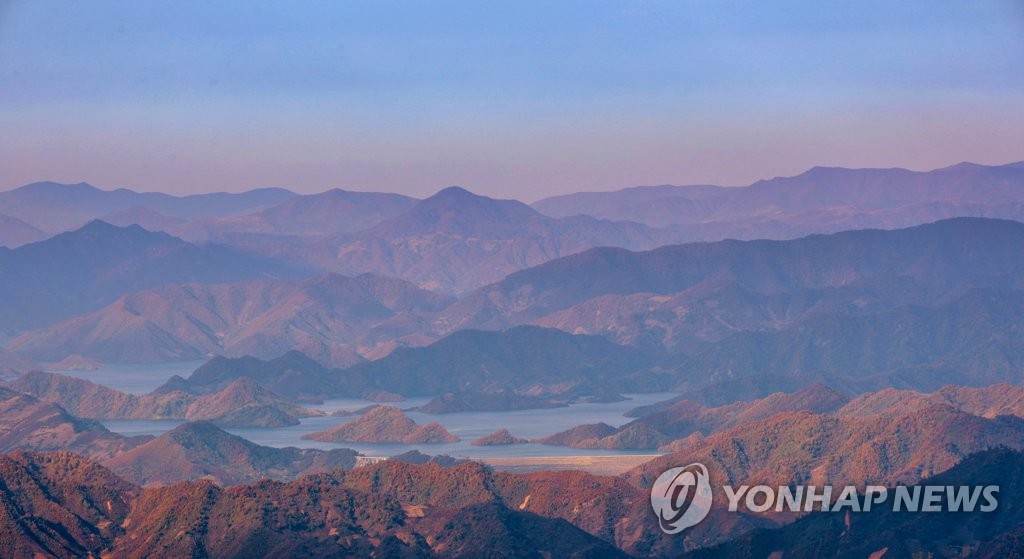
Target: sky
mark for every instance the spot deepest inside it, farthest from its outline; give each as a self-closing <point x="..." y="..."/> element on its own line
<point x="511" y="99"/>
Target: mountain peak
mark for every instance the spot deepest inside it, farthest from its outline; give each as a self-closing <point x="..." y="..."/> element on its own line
<point x="453" y="195"/>
<point x="455" y="190"/>
<point x="459" y="199"/>
<point x="458" y="211"/>
<point x="100" y="225"/>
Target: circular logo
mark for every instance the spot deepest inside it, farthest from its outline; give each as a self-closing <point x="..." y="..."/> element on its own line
<point x="681" y="497"/>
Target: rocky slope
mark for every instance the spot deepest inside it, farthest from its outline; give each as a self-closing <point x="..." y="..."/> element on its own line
<point x="60" y="505"/>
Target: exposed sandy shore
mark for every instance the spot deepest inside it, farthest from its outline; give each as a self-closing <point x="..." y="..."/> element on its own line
<point x="600" y="465"/>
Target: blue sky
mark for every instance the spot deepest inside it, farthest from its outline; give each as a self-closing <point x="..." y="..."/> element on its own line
<point x="516" y="99"/>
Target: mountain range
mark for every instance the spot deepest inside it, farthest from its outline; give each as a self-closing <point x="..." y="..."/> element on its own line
<point x="842" y="326"/>
<point x="57" y="207"/>
<point x="398" y="509"/>
<point x="686" y="299"/>
<point x="192" y="450"/>
<point x="919" y="307"/>
<point x="888" y="436"/>
<point x="680" y="418"/>
<point x="919" y="264"/>
<point x="820" y="200"/>
<point x="902" y="446"/>
<point x="327" y="213"/>
<point x="90" y="267"/>
<point x="535" y="363"/>
<point x="455" y="241"/>
<point x="334" y="319"/>
<point x="525" y="360"/>
<point x="324" y="514"/>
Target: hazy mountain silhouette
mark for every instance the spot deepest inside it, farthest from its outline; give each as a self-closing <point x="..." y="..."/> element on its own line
<point x="331" y="318"/>
<point x="330" y="212"/>
<point x="83" y="270"/>
<point x="15" y="232"/>
<point x="455" y="240"/>
<point x="57" y="207"/>
<point x="820" y="200"/>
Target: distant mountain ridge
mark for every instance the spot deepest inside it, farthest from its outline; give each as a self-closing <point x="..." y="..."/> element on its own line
<point x="455" y="241"/>
<point x="330" y="212"/>
<point x="90" y="267"/>
<point x="937" y="256"/>
<point x="332" y="318"/>
<point x="820" y="200"/>
<point x="859" y="310"/>
<point x="536" y="363"/>
<point x="57" y="207"/>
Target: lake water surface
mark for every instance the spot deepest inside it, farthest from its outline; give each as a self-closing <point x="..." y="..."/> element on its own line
<point x="139" y="379"/>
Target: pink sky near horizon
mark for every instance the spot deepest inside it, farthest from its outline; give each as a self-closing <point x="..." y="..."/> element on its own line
<point x="523" y="100"/>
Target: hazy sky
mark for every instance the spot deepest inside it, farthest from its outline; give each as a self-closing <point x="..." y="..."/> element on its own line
<point x="517" y="99"/>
